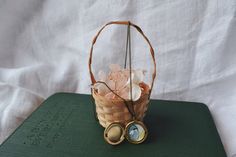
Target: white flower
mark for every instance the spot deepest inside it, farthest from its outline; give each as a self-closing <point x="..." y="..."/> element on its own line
<point x="137" y="77"/>
<point x="136" y="92"/>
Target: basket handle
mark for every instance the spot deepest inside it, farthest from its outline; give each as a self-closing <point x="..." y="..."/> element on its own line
<point x="121" y="23"/>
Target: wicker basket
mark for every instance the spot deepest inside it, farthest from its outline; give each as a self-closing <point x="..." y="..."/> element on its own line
<point x="109" y="111"/>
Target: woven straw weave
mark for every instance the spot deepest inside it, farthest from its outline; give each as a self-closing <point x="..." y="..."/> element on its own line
<point x="109" y="111"/>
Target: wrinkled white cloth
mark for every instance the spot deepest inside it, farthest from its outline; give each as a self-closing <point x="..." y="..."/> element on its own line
<point x="44" y="47"/>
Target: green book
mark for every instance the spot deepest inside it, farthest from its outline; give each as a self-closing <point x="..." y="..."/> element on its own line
<point x="65" y="126"/>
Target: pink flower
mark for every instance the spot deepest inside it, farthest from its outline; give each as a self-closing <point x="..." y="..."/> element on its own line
<point x="119" y="81"/>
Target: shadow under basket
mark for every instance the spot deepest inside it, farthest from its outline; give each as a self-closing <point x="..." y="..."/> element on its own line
<point x="110" y="111"/>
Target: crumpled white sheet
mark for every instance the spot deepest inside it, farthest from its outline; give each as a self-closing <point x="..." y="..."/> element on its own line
<point x="44" y="49"/>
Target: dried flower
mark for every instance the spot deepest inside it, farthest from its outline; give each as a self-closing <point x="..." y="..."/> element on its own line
<point x="119" y="81"/>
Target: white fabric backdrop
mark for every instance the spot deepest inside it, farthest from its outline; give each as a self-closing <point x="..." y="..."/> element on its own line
<point x="44" y="49"/>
